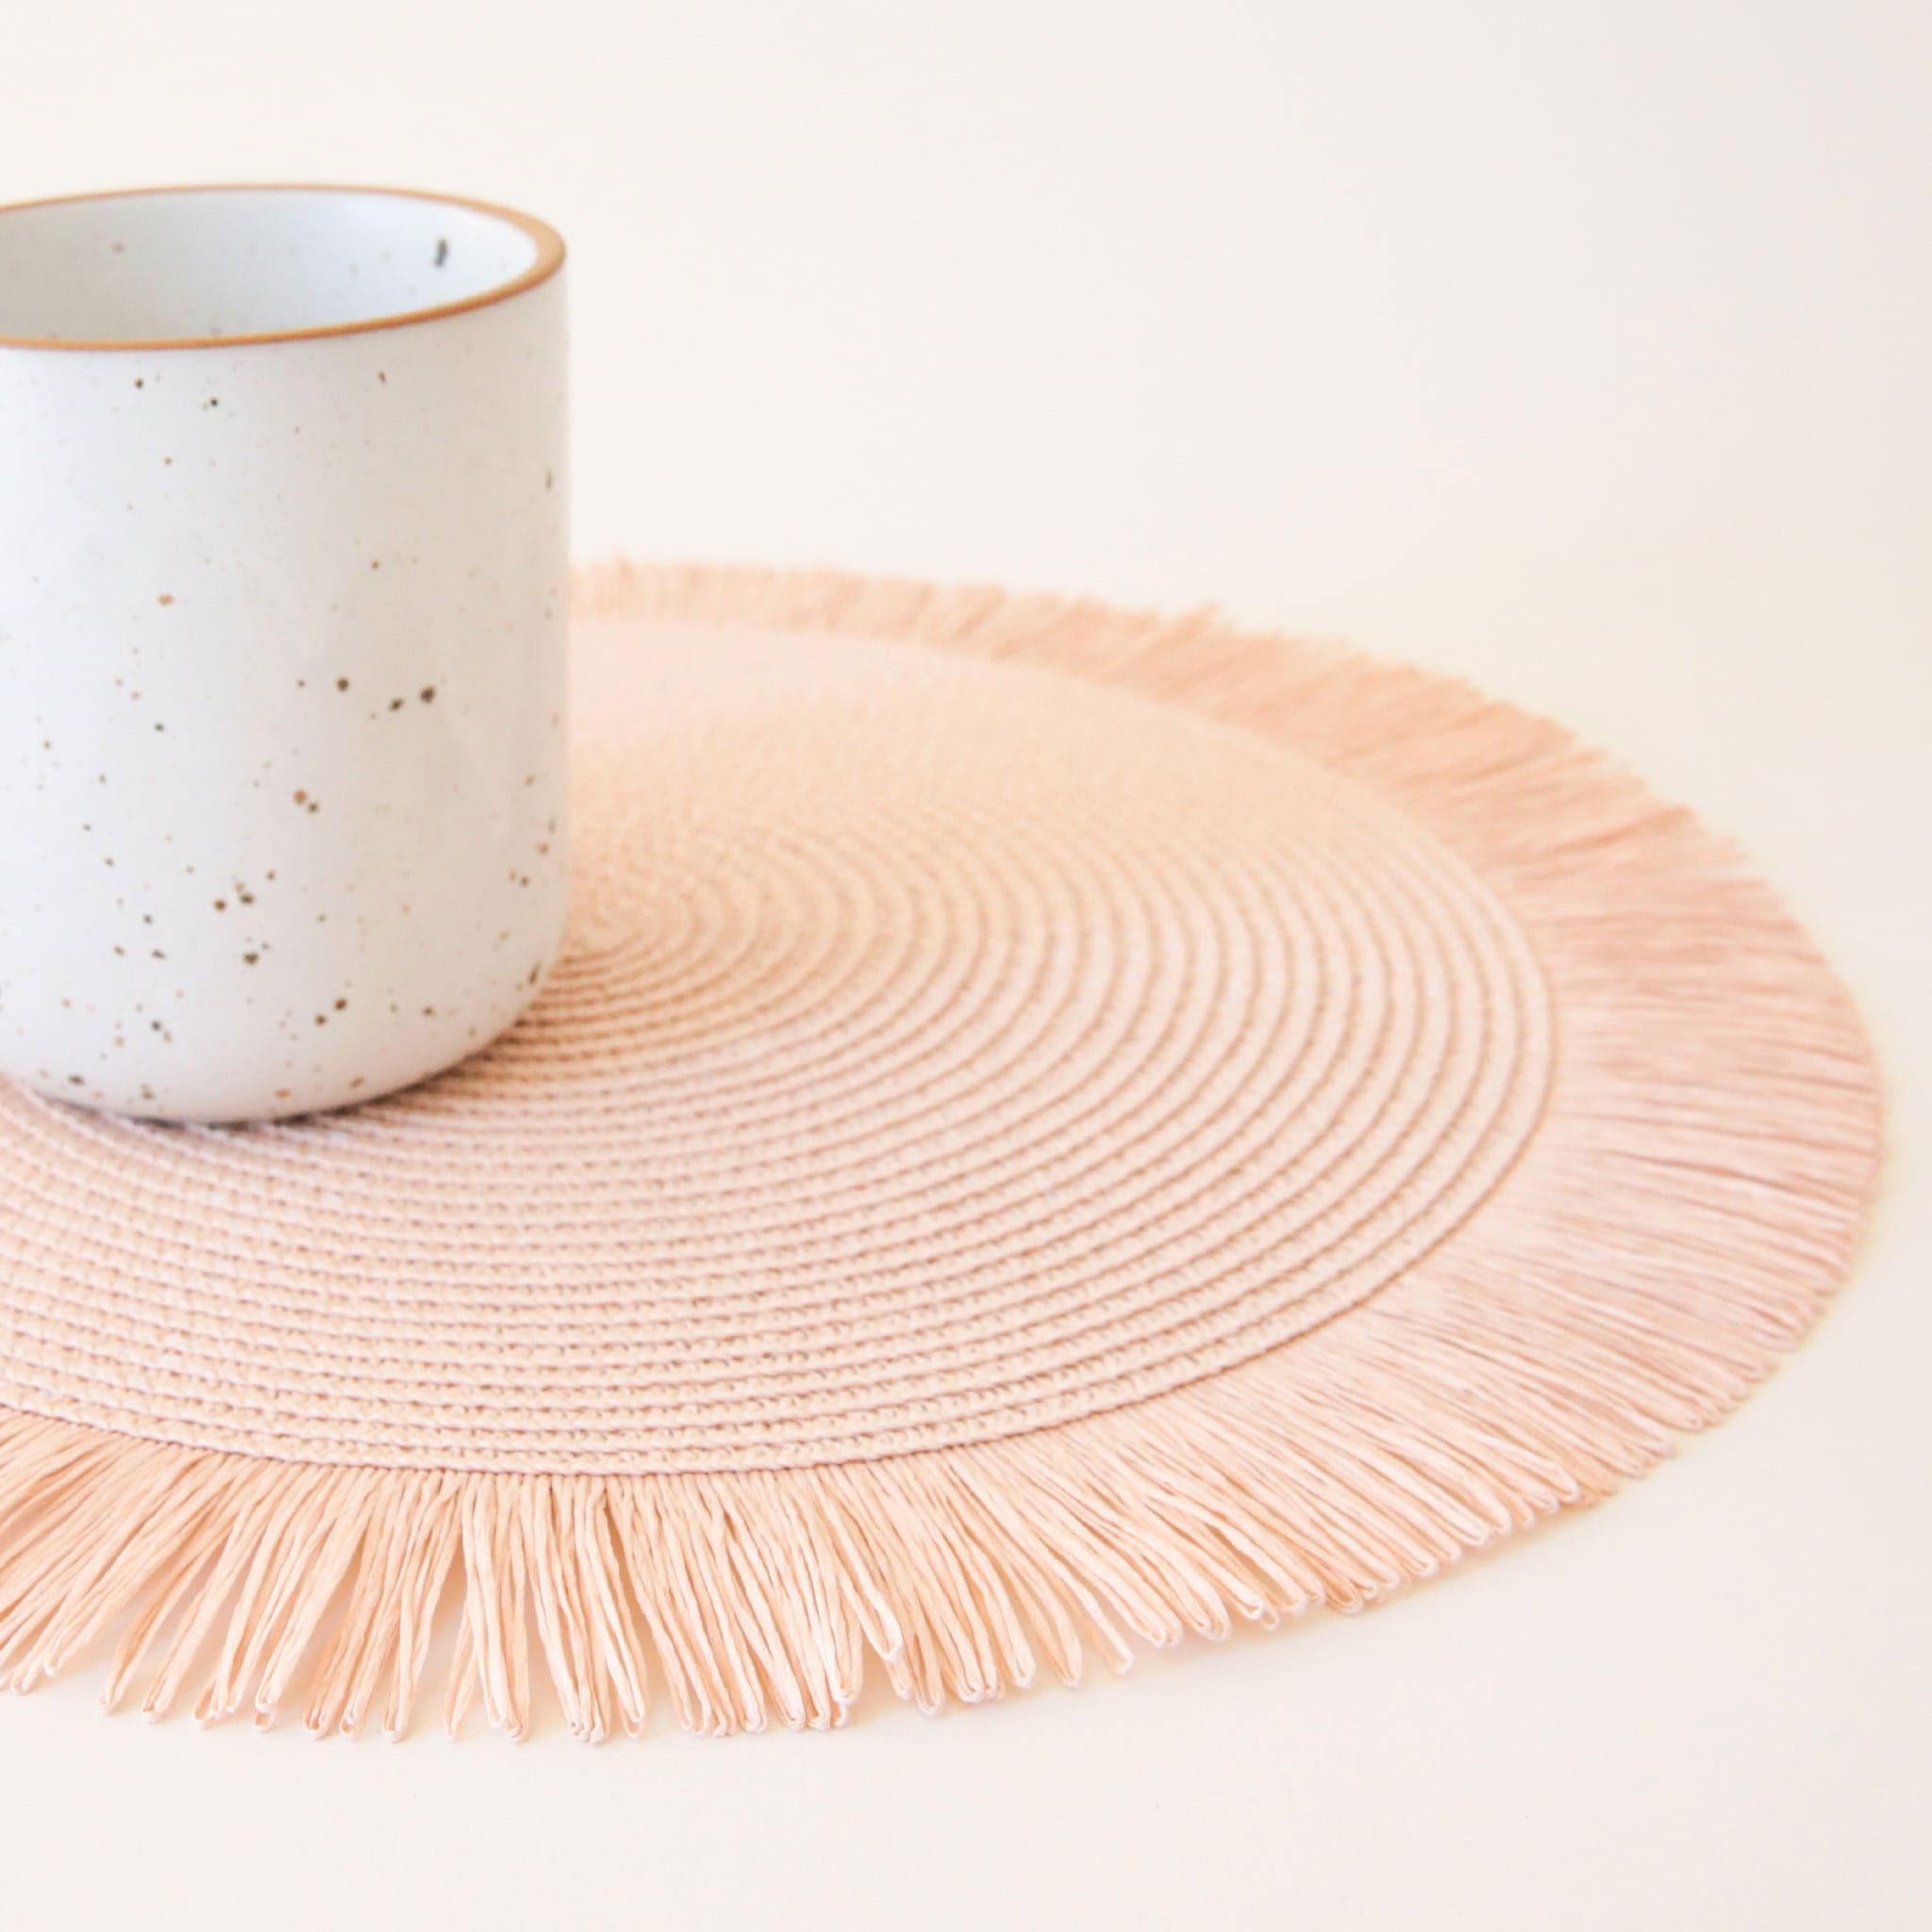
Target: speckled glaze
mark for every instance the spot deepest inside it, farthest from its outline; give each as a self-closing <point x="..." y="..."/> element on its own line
<point x="283" y="571"/>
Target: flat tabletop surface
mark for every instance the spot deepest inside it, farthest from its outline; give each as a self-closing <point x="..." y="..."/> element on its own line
<point x="1582" y="355"/>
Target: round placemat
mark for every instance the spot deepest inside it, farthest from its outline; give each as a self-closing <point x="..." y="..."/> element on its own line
<point x="1052" y="1127"/>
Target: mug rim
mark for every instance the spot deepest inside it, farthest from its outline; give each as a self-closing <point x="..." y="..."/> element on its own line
<point x="548" y="259"/>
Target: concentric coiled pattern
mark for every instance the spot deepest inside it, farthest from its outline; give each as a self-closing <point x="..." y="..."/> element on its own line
<point x="944" y="1050"/>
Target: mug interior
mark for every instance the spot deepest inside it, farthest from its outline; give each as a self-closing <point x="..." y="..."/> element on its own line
<point x="185" y="265"/>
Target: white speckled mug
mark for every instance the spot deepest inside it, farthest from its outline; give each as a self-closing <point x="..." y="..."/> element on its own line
<point x="283" y="578"/>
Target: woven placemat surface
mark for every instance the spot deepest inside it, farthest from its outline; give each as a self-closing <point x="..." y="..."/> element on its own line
<point x="1054" y="1128"/>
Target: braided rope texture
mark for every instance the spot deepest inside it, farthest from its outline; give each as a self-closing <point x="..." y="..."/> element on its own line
<point x="1054" y="1128"/>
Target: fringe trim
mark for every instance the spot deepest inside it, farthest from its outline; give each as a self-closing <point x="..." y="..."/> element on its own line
<point x="1694" y="1194"/>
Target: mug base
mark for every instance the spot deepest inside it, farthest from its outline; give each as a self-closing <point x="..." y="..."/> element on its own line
<point x="245" y="1104"/>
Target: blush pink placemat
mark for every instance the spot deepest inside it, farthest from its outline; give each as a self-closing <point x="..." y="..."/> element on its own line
<point x="1055" y="1129"/>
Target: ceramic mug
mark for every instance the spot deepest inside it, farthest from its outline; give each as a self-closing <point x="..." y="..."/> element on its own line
<point x="283" y="579"/>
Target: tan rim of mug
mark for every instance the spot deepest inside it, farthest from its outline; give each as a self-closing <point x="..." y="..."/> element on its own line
<point x="548" y="259"/>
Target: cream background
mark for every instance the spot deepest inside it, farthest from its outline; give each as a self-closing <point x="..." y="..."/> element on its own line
<point x="1581" y="350"/>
